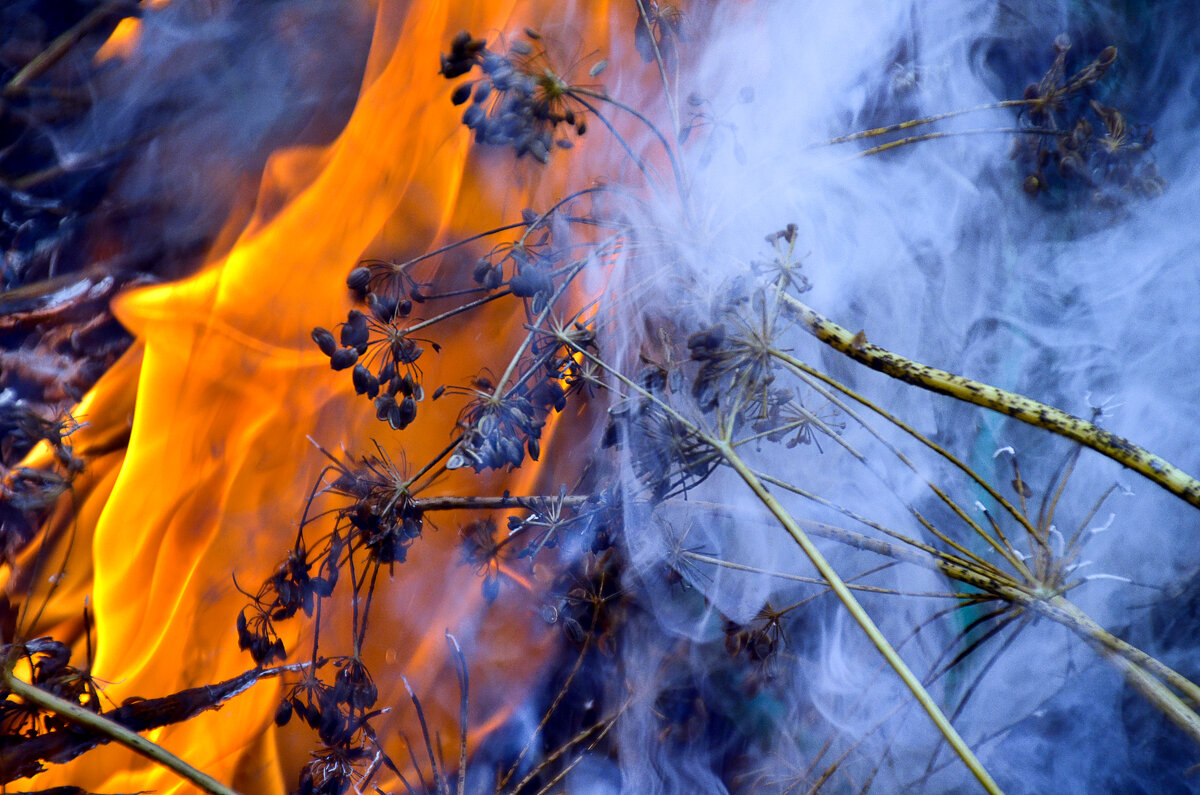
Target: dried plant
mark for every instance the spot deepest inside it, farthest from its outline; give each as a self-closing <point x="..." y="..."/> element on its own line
<point x="713" y="384"/>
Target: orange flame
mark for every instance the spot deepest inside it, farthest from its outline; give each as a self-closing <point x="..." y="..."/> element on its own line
<point x="219" y="393"/>
<point x="123" y="41"/>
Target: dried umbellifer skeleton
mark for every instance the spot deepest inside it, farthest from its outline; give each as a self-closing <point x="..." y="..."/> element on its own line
<point x="654" y="404"/>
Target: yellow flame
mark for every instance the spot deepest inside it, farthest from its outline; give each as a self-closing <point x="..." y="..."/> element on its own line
<point x="219" y="393"/>
<point x="126" y="36"/>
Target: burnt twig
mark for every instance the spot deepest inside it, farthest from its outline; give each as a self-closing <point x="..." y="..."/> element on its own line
<point x="121" y="725"/>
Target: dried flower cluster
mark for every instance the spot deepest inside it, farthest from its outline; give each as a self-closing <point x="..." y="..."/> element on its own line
<point x="709" y="387"/>
<point x="721" y="378"/>
<point x="520" y="100"/>
<point x="1089" y="146"/>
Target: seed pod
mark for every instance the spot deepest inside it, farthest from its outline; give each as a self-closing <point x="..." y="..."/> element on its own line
<point x="574" y="630"/>
<point x="382" y="308"/>
<point x="343" y="358"/>
<point x="364" y="382"/>
<point x="480" y="271"/>
<point x="359" y="278"/>
<point x="707" y="340"/>
<point x="473" y="116"/>
<point x="383" y="406"/>
<point x="354" y="330"/>
<point x="761" y="646"/>
<point x="456" y="68"/>
<point x="512" y="452"/>
<point x="405" y="351"/>
<point x="494" y="278"/>
<point x="522" y="286"/>
<point x="388" y="372"/>
<point x="325" y="341"/>
<point x="402" y="414"/>
<point x="283" y="713"/>
<point x="491" y="587"/>
<point x="461" y="94"/>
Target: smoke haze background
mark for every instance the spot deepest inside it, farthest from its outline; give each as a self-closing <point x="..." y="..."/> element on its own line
<point x="936" y="253"/>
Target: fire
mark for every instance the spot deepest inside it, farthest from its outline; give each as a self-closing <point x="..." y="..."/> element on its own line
<point x="217" y="398"/>
<point x="125" y="36"/>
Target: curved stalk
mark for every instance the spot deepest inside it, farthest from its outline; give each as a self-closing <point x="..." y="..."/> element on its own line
<point x="836" y="584"/>
<point x="862" y="619"/>
<point x="1027" y="410"/>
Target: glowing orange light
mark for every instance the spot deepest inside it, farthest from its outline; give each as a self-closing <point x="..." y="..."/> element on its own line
<point x="124" y="39"/>
<point x="220" y="392"/>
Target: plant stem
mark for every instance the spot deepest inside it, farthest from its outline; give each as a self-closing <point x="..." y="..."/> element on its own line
<point x="61" y="45"/>
<point x="1014" y="405"/>
<point x="644" y="20"/>
<point x="905" y="125"/>
<point x="118" y="733"/>
<point x="676" y="171"/>
<point x="933" y="136"/>
<point x="862" y="619"/>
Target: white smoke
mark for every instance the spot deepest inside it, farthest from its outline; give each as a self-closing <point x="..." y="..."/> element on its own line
<point x="936" y="253"/>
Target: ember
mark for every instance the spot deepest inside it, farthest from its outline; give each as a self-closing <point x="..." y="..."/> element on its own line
<point x="489" y="436"/>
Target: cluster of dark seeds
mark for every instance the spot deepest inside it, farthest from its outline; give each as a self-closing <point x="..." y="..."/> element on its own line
<point x="387" y="532"/>
<point x="386" y="288"/>
<point x="789" y="420"/>
<point x="784" y="269"/>
<point x="587" y="602"/>
<point x="518" y="101"/>
<point x="737" y="366"/>
<point x="531" y="263"/>
<point x="290" y="589"/>
<point x="1098" y="152"/>
<point x="50" y="670"/>
<point x="339" y="714"/>
<point x="27" y="494"/>
<point x="497" y="430"/>
<point x="335" y="696"/>
<point x="667" y="456"/>
<point x="384" y="361"/>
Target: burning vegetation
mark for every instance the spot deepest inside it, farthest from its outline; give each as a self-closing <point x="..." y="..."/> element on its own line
<point x="511" y="458"/>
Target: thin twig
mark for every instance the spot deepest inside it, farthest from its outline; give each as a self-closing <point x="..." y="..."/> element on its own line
<point x="844" y="595"/>
<point x="644" y="20"/>
<point x="61" y="45"/>
<point x="113" y="731"/>
<point x="933" y="136"/>
<point x="862" y="619"/>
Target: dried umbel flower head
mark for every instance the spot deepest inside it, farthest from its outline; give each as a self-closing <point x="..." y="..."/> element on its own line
<point x="520" y="99"/>
<point x="496" y="431"/>
<point x="1082" y="144"/>
<point x="382" y="357"/>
